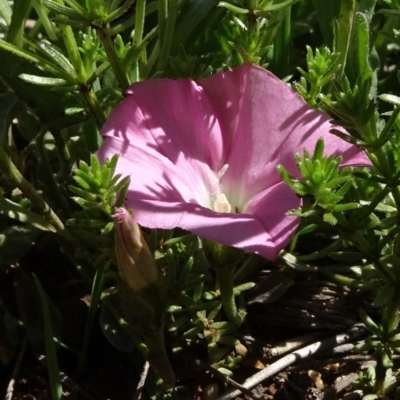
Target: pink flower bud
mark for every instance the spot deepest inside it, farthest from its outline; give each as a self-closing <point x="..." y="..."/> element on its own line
<point x="136" y="266"/>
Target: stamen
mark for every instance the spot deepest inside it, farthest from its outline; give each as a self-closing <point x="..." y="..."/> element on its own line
<point x="222" y="204"/>
<point x="222" y="171"/>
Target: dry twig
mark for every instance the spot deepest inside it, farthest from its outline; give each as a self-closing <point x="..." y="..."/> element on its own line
<point x="289" y="359"/>
<point x="142" y="381"/>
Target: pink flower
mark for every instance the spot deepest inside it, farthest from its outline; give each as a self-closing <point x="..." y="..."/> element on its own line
<point x="202" y="155"/>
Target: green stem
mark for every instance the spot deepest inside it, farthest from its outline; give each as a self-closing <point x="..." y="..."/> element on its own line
<point x="225" y="276"/>
<point x="158" y="358"/>
<point x="281" y="44"/>
<point x="47" y="24"/>
<point x="388" y="126"/>
<point x="322" y="253"/>
<point x="338" y="278"/>
<point x="380" y="375"/>
<point x="21" y="12"/>
<point x="118" y="12"/>
<point x="162" y="13"/>
<point x="139" y="22"/>
<point x="377" y="199"/>
<point x="168" y="33"/>
<point x="93" y="104"/>
<point x="113" y="58"/>
<point x="30" y="192"/>
<point x="347" y="9"/>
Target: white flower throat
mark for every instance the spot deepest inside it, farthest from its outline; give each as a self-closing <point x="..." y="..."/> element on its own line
<point x="220" y="201"/>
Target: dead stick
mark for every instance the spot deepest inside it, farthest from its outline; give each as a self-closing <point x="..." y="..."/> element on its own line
<point x="289" y="359"/>
<point x="142" y="381"/>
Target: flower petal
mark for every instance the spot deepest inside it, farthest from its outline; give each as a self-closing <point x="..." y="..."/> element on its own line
<point x="267" y="123"/>
<point x="155" y="177"/>
<point x="173" y="117"/>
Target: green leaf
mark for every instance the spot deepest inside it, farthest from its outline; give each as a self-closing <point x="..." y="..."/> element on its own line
<point x="193" y="19"/>
<point x="327" y="12"/>
<point x="384" y="294"/>
<point x="30" y="310"/>
<point x="266" y="6"/>
<point x="369" y="322"/>
<point x="51" y="354"/>
<point x="20" y="14"/>
<point x="64" y="10"/>
<point x="20" y="55"/>
<point x="97" y="288"/>
<point x="43" y="81"/>
<point x="5" y="11"/>
<point x="55" y="55"/>
<point x="15" y="241"/>
<point x="225" y="372"/>
<point x="19" y="213"/>
<point x="232" y="8"/>
<point x="390" y="98"/>
<point x="8" y="101"/>
<point x="48" y="105"/>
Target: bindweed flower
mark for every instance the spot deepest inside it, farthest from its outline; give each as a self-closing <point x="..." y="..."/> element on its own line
<point x="136" y="265"/>
<point x="203" y="155"/>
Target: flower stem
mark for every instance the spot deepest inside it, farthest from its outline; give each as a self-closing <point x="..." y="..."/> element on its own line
<point x="281" y="54"/>
<point x="139" y="22"/>
<point x="225" y="276"/>
<point x="113" y="58"/>
<point x="93" y="104"/>
<point x="158" y="359"/>
<point x="166" y="32"/>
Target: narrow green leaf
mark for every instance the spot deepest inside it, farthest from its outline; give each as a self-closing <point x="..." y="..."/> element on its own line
<point x="20" y="14"/>
<point x="390" y="98"/>
<point x="266" y="7"/>
<point x="43" y="80"/>
<point x="369" y="322"/>
<point x="52" y="363"/>
<point x="8" y="100"/>
<point x="40" y="61"/>
<point x="97" y="289"/>
<point x="19" y="213"/>
<point x="78" y="8"/>
<point x="58" y="58"/>
<point x="232" y="8"/>
<point x="15" y="241"/>
<point x="63" y="10"/>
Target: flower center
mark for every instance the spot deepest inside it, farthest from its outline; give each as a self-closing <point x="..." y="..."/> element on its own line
<point x="221" y="204"/>
<point x="220" y="201"/>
